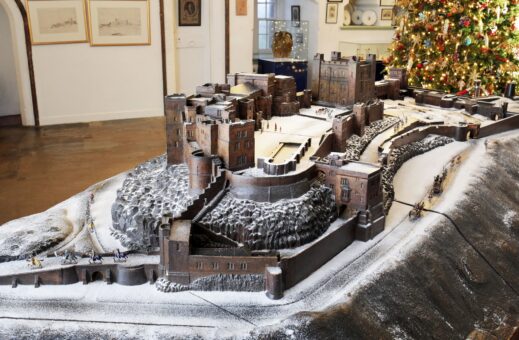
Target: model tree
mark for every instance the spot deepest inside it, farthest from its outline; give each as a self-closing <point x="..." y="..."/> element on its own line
<point x="447" y="45"/>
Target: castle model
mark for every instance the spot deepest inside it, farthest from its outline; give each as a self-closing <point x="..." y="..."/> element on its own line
<point x="213" y="132"/>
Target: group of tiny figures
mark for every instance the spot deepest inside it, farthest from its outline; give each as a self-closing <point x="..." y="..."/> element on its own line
<point x="400" y="124"/>
<point x="69" y="257"/>
<point x="268" y="126"/>
<point x="324" y="111"/>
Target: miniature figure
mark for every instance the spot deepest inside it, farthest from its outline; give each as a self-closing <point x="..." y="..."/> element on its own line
<point x="68" y="258"/>
<point x="417" y="211"/>
<point x="95" y="258"/>
<point x="120" y="256"/>
<point x="34" y="262"/>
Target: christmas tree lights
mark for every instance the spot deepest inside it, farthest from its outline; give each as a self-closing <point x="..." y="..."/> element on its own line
<point x="448" y="45"/>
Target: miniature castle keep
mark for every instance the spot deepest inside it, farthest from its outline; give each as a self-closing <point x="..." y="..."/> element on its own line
<point x="343" y="82"/>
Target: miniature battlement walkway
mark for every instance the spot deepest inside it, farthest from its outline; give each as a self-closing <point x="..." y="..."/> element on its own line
<point x="137" y="270"/>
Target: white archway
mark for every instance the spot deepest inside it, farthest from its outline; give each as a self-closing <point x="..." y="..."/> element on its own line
<point x="22" y="64"/>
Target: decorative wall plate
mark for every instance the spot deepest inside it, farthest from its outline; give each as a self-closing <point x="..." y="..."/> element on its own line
<point x="357" y="17"/>
<point x="369" y="18"/>
<point x="347" y="17"/>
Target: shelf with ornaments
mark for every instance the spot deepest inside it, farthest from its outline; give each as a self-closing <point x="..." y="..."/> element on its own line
<point x="368" y="28"/>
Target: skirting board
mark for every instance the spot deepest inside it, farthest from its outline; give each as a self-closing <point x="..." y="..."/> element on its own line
<point x="99" y="116"/>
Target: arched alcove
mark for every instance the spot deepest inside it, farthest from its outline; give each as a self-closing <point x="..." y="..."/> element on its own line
<point x="15" y="13"/>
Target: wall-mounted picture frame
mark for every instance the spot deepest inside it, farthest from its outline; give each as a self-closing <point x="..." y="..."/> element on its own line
<point x="189" y="12"/>
<point x="386" y="14"/>
<point x="338" y="1"/>
<point x="119" y="22"/>
<point x="241" y="7"/>
<point x="57" y="21"/>
<point x="295" y="15"/>
<point x="387" y="2"/>
<point x="331" y="13"/>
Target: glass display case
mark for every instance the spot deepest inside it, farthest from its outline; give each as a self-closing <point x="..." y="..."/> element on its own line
<point x="282" y="48"/>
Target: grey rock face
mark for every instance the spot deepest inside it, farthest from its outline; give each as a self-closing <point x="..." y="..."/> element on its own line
<point x="150" y="191"/>
<point x="166" y="286"/>
<point x="400" y="156"/>
<point x="218" y="282"/>
<point x="356" y="145"/>
<point x="283" y="224"/>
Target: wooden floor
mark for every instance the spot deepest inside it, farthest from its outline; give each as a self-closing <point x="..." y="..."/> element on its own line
<point x="42" y="167"/>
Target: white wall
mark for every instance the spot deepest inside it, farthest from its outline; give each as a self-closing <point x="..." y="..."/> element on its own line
<point x="330" y="35"/>
<point x="80" y="83"/>
<point x="241" y="38"/>
<point x="200" y="50"/>
<point x="9" y="97"/>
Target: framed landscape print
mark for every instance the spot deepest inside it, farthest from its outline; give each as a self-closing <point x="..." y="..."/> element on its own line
<point x="189" y="12"/>
<point x="331" y="13"/>
<point x="386" y="14"/>
<point x="57" y="21"/>
<point x="119" y="22"/>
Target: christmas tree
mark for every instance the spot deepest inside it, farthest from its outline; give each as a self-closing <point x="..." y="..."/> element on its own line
<point x="447" y="45"/>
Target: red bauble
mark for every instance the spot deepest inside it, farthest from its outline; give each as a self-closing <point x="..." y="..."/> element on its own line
<point x="419" y="66"/>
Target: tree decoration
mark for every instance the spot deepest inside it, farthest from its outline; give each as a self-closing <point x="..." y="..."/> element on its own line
<point x="445" y="44"/>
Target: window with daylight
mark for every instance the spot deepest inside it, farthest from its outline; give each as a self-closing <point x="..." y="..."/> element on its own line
<point x="266" y="10"/>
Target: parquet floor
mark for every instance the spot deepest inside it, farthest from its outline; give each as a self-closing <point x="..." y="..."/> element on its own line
<point x="42" y="167"/>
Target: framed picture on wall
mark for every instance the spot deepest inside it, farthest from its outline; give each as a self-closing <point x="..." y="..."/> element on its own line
<point x="189" y="12"/>
<point x="57" y="21"/>
<point x="334" y="0"/>
<point x="387" y="2"/>
<point x="386" y="14"/>
<point x="331" y="13"/>
<point x="296" y="16"/>
<point x="119" y="22"/>
<point x="241" y="7"/>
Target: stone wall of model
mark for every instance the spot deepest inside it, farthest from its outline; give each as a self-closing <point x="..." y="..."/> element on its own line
<point x="402" y="154"/>
<point x="149" y="191"/>
<point x="283" y="224"/>
<point x="356" y="145"/>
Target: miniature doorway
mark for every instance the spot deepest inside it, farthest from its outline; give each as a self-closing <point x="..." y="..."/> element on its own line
<point x="15" y="22"/>
<point x="97" y="276"/>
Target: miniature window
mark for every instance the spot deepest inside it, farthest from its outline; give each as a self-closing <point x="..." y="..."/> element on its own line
<point x="247" y="144"/>
<point x="243" y="266"/>
<point x="244" y="134"/>
<point x="230" y="266"/>
<point x="215" y="265"/>
<point x="178" y="246"/>
<point x="199" y="265"/>
<point x="178" y="132"/>
<point x="237" y="146"/>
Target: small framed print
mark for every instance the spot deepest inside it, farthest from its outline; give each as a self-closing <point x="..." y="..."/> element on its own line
<point x="339" y="1"/>
<point x="241" y="7"/>
<point x="119" y="22"/>
<point x="331" y="13"/>
<point x="387" y="2"/>
<point x="189" y="12"/>
<point x="386" y="14"/>
<point x="57" y="21"/>
<point x="296" y="16"/>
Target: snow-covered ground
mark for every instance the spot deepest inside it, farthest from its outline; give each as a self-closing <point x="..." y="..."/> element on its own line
<point x="412" y="187"/>
<point x="213" y="314"/>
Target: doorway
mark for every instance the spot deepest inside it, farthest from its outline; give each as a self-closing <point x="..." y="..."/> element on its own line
<point x="15" y="24"/>
<point x="10" y="112"/>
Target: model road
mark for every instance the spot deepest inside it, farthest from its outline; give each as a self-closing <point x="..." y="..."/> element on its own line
<point x="327" y="285"/>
